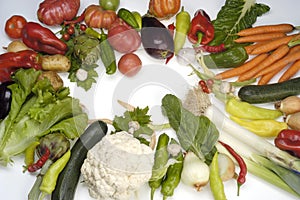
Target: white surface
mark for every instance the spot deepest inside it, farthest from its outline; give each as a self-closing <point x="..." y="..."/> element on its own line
<point x="159" y="79"/>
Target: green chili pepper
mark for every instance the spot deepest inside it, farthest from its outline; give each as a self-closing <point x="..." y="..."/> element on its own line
<point x="230" y="58"/>
<point x="90" y="31"/>
<point x="128" y="17"/>
<point x="245" y="110"/>
<point x="49" y="180"/>
<point x="107" y="55"/>
<point x="29" y="153"/>
<point x="215" y="180"/>
<point x="160" y="161"/>
<point x="261" y="127"/>
<point x="173" y="175"/>
<point x="183" y="19"/>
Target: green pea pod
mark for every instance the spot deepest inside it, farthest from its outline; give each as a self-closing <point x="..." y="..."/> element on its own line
<point x="183" y="19"/>
<point x="173" y="175"/>
<point x="215" y="180"/>
<point x="50" y="178"/>
<point x="230" y="58"/>
<point x="107" y="55"/>
<point x="245" y="110"/>
<point x="261" y="127"/>
<point x="160" y="161"/>
<point x="128" y="17"/>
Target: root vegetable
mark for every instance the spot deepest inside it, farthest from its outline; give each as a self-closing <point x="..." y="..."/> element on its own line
<point x="293" y="121"/>
<point x="58" y="63"/>
<point x="289" y="105"/>
<point x="54" y="79"/>
<point x="16" y="45"/>
<point x="226" y="167"/>
<point x="195" y="172"/>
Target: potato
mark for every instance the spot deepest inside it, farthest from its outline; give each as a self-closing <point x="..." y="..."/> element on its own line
<point x="16" y="45"/>
<point x="58" y="63"/>
<point x="54" y="79"/>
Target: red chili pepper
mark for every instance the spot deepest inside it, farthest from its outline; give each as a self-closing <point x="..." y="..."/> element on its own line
<point x="172" y="28"/>
<point x="241" y="179"/>
<point x="210" y="49"/>
<point x="40" y="163"/>
<point x="42" y="39"/>
<point x="11" y="61"/>
<point x="202" y="30"/>
<point x="204" y="86"/>
<point x="289" y="140"/>
<point x="79" y="19"/>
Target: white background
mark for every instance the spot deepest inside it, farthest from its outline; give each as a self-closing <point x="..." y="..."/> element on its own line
<point x="101" y="99"/>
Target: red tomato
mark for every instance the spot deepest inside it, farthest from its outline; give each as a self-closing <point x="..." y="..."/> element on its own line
<point x="129" y="64"/>
<point x="123" y="39"/>
<point x="14" y="26"/>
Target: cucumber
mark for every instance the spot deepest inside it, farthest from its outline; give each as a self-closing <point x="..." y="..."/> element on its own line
<point x="270" y="92"/>
<point x="69" y="177"/>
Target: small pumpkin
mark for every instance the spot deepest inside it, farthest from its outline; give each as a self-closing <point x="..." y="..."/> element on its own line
<point x="164" y="9"/>
<point x="96" y="17"/>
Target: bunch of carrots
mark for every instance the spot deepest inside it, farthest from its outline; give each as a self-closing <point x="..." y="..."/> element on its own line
<point x="272" y="49"/>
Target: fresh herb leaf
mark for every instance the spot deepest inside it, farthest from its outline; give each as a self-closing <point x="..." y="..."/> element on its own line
<point x="195" y="133"/>
<point x="234" y="16"/>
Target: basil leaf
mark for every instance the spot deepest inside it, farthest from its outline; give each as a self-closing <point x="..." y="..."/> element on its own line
<point x="195" y="133"/>
<point x="234" y="16"/>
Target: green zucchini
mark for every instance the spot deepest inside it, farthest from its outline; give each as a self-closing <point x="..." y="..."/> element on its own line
<point x="68" y="178"/>
<point x="270" y="92"/>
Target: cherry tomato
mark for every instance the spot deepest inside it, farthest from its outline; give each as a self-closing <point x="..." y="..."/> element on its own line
<point x="66" y="36"/>
<point x="14" y="26"/>
<point x="129" y="64"/>
<point x="109" y="4"/>
<point x="71" y="30"/>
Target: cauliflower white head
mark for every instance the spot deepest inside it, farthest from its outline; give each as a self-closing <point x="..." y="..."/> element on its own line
<point x="117" y="166"/>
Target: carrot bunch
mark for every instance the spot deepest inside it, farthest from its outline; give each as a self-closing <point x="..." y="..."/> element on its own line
<point x="271" y="49"/>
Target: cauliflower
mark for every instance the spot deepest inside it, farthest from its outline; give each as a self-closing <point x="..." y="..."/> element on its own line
<point x="117" y="166"/>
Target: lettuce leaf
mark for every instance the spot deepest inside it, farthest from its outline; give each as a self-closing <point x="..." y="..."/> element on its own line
<point x="37" y="109"/>
<point x="234" y="16"/>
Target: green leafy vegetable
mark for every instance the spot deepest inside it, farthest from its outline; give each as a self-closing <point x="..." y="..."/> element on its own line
<point x="36" y="110"/>
<point x="121" y="123"/>
<point x="234" y="16"/>
<point x="195" y="133"/>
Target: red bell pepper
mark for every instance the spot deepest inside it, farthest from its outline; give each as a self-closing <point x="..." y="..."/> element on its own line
<point x="11" y="61"/>
<point x="42" y="39"/>
<point x="289" y="140"/>
<point x="202" y="30"/>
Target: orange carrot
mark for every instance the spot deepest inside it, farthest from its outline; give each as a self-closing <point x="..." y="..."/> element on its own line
<point x="285" y="28"/>
<point x="280" y="64"/>
<point x="250" y="47"/>
<point x="265" y="79"/>
<point x="290" y="72"/>
<point x="259" y="37"/>
<point x="273" y="44"/>
<point x="276" y="55"/>
<point x="242" y="68"/>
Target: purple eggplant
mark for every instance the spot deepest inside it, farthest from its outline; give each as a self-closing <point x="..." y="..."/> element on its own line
<point x="156" y="38"/>
<point x="5" y="99"/>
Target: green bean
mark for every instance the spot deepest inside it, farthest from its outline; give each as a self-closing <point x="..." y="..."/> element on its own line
<point x="173" y="175"/>
<point x="215" y="180"/>
<point x="160" y="161"/>
<point x="49" y="180"/>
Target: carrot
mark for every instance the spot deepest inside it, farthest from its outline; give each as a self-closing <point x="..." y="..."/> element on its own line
<point x="276" y="55"/>
<point x="242" y="68"/>
<point x="280" y="64"/>
<point x="250" y="47"/>
<point x="259" y="37"/>
<point x="265" y="79"/>
<point x="290" y="72"/>
<point x="273" y="44"/>
<point x="285" y="28"/>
